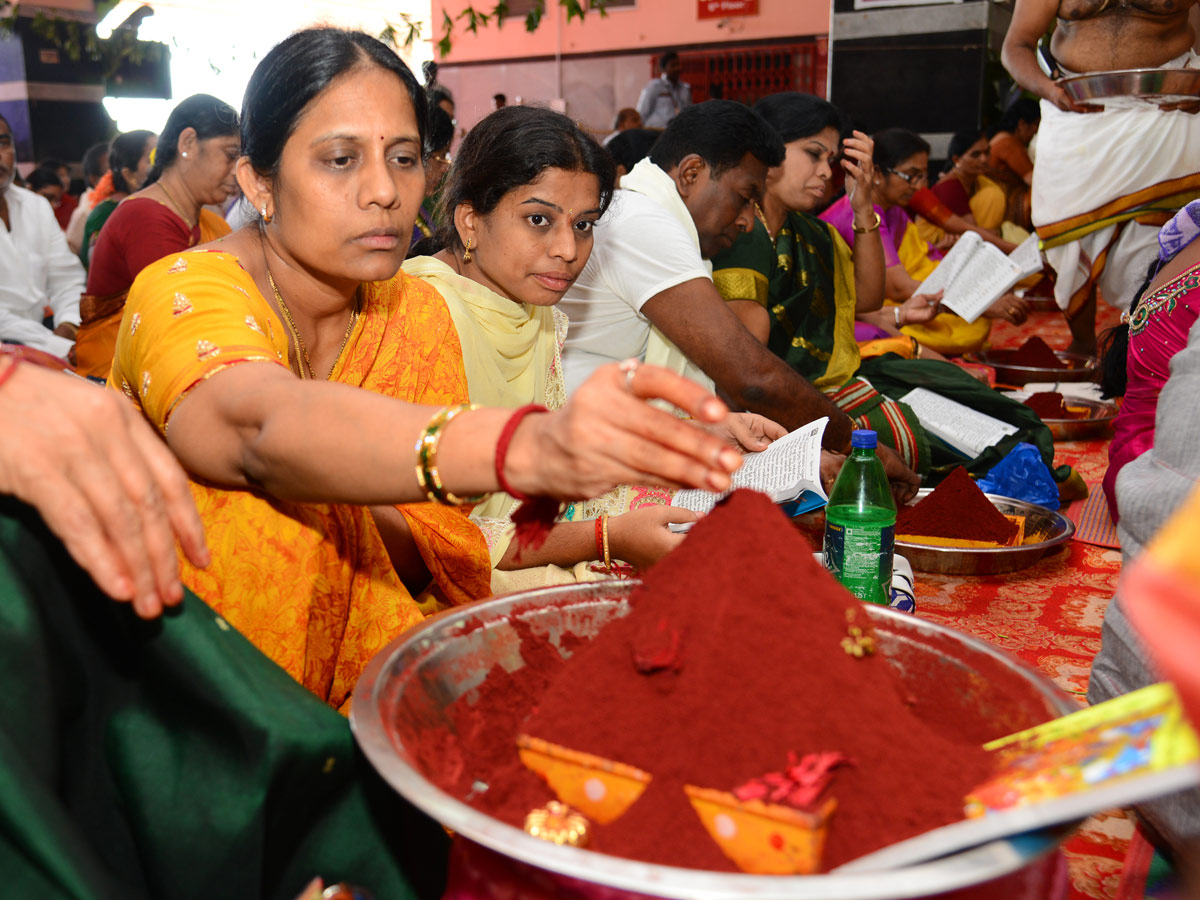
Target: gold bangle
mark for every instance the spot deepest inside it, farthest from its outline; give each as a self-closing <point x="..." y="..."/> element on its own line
<point x="428" y="476"/>
<point x="854" y="227"/>
<point x="604" y="538"/>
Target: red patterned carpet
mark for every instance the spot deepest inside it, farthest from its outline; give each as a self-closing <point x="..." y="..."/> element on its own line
<point x="1050" y="616"/>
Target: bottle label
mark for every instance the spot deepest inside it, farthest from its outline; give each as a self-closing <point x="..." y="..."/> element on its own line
<point x="860" y="557"/>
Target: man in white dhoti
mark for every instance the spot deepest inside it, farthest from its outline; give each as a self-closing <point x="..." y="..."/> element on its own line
<point x="37" y="268"/>
<point x="1104" y="182"/>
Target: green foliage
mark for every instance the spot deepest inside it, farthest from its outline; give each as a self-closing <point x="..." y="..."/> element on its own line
<point x="78" y="40"/>
<point x="473" y="19"/>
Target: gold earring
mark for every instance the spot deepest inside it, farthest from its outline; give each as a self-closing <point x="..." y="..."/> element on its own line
<point x="467" y="252"/>
<point x="266" y="219"/>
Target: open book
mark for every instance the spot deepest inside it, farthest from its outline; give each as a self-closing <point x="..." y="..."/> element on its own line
<point x="791" y="466"/>
<point x="975" y="274"/>
<point x="965" y="430"/>
<point x="1128" y="750"/>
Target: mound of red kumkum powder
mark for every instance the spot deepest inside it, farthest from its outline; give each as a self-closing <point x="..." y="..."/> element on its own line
<point x="731" y="665"/>
<point x="1052" y="405"/>
<point x="957" y="508"/>
<point x="1037" y="354"/>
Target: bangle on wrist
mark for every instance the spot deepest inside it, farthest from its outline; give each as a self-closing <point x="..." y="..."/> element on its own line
<point x="506" y="436"/>
<point x="896" y="315"/>
<point x="873" y="227"/>
<point x="428" y="476"/>
<point x="599" y="537"/>
<point x="604" y="534"/>
<point x="8" y="367"/>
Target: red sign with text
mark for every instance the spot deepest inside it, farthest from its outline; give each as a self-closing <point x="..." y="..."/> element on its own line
<point x="719" y="9"/>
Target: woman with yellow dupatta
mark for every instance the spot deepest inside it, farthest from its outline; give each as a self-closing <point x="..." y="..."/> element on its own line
<point x="527" y="189"/>
<point x="247" y="357"/>
<point x="193" y="166"/>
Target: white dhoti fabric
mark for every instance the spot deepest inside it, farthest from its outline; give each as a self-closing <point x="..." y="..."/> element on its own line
<point x="1103" y="184"/>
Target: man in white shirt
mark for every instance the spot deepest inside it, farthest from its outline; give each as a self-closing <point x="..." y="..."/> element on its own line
<point x="647" y="290"/>
<point x="666" y="96"/>
<point x="37" y="268"/>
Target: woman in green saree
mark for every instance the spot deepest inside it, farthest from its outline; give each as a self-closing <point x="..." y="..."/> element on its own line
<point x="792" y="282"/>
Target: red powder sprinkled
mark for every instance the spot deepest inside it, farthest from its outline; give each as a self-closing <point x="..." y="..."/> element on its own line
<point x="742" y="630"/>
<point x="957" y="508"/>
<point x="1037" y="354"/>
<point x="1052" y="405"/>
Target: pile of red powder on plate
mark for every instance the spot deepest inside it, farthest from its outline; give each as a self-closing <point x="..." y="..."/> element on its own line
<point x="1052" y="405"/>
<point x="1036" y="354"/>
<point x="730" y="659"/>
<point x="956" y="508"/>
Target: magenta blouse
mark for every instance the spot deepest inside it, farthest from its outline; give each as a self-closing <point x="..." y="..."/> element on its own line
<point x="1158" y="329"/>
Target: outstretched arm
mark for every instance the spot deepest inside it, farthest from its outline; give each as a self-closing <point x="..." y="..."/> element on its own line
<point x="699" y="322"/>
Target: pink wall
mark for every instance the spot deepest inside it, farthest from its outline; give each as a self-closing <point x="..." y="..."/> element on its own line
<point x="594" y="87"/>
<point x="653" y="24"/>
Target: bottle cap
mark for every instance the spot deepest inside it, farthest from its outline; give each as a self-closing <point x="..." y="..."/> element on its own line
<point x="863" y="438"/>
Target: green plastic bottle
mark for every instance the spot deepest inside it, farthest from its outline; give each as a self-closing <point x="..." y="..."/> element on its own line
<point x="860" y="524"/>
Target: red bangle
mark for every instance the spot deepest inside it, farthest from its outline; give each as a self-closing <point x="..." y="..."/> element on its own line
<point x="506" y="436"/>
<point x="599" y="538"/>
<point x="7" y="372"/>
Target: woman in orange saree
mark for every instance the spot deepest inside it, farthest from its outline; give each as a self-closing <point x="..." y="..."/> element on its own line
<point x="250" y="358"/>
<point x="312" y="585"/>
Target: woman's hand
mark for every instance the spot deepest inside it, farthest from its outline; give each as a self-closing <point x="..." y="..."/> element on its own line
<point x="831" y="464"/>
<point x="102" y="481"/>
<point x="1010" y="307"/>
<point x="641" y="537"/>
<point x="945" y="242"/>
<point x="858" y="161"/>
<point x="919" y="309"/>
<point x="608" y="435"/>
<point x="748" y="432"/>
<point x="904" y="481"/>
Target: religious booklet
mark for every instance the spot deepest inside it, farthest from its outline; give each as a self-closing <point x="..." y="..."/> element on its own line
<point x="788" y="470"/>
<point x="975" y="274"/>
<point x="964" y="430"/>
<point x="1125" y="751"/>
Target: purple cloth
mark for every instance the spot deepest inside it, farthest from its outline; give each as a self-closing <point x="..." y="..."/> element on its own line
<point x="865" y="331"/>
<point x="1179" y="232"/>
<point x="427" y="219"/>
<point x="892" y="226"/>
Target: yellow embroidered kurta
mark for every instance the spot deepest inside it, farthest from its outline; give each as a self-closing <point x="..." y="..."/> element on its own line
<point x="310" y="584"/>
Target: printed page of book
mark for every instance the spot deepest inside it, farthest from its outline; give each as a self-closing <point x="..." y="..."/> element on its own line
<point x="988" y="275"/>
<point x="787" y="468"/>
<point x="966" y="430"/>
<point x="951" y="265"/>
<point x="1028" y="256"/>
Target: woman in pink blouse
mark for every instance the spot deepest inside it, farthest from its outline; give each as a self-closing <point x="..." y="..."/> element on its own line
<point x="1153" y="331"/>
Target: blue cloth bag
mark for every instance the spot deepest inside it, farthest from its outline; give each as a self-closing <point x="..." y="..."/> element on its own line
<point x="1022" y="475"/>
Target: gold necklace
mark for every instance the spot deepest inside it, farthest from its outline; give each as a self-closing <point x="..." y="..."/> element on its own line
<point x="302" y="360"/>
<point x="174" y="204"/>
<point x="762" y="217"/>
